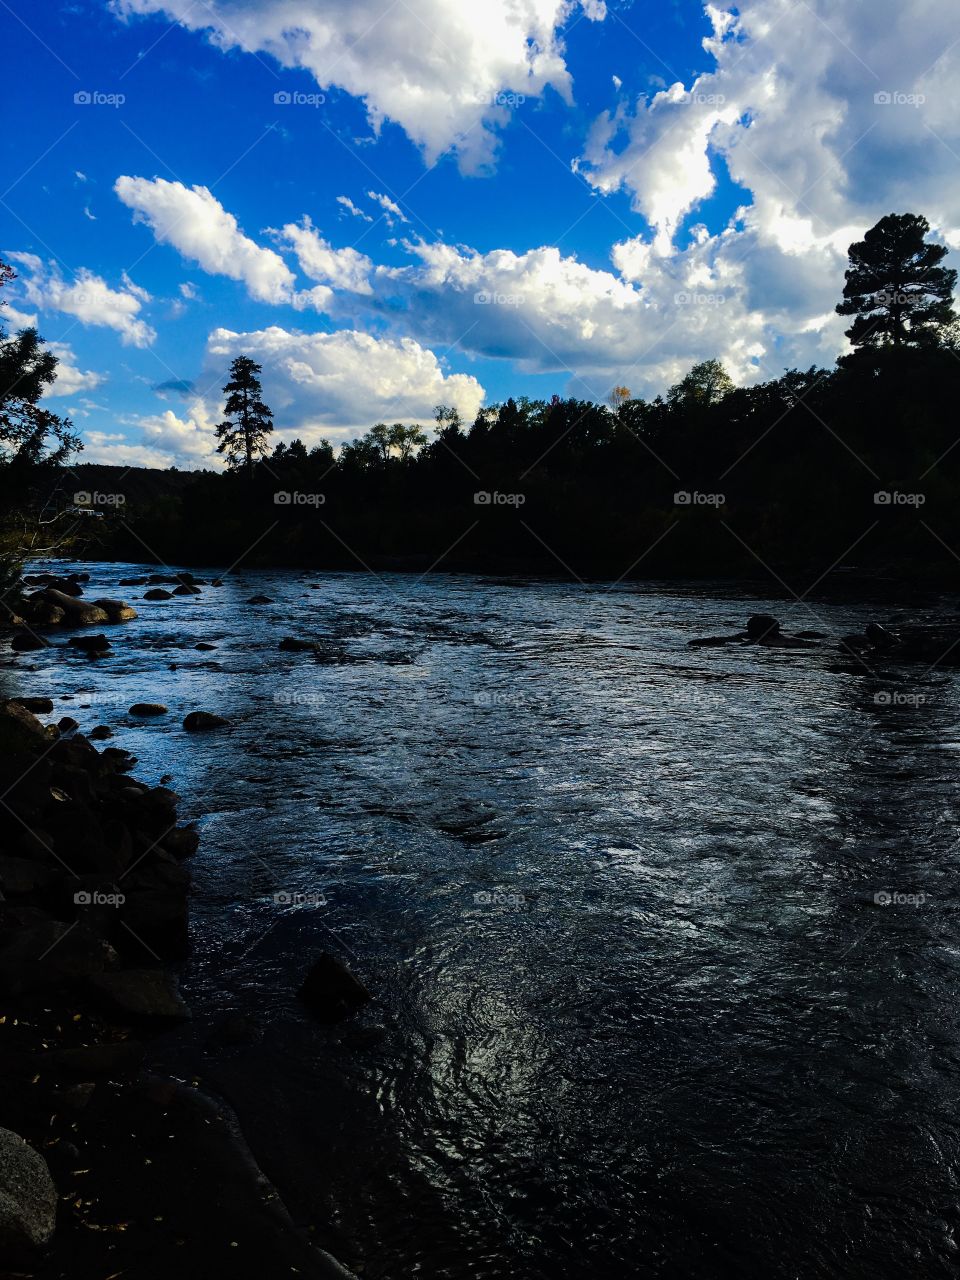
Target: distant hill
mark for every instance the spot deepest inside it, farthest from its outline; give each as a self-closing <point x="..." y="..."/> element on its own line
<point x="137" y="485"/>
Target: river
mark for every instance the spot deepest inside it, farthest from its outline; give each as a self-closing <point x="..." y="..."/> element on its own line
<point x="664" y="942"/>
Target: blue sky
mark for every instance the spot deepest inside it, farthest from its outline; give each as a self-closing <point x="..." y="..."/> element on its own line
<point x="583" y="194"/>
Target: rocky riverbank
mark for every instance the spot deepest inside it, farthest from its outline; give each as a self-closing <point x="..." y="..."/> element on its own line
<point x="105" y="1169"/>
<point x="122" y="1173"/>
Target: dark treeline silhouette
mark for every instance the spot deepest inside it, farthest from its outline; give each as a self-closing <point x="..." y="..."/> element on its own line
<point x="850" y="466"/>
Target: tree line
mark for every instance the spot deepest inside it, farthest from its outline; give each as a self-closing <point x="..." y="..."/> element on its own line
<point x="853" y="465"/>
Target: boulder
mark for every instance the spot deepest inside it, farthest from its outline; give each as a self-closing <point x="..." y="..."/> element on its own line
<point x="331" y="992"/>
<point x="26" y="642"/>
<point x="23" y="875"/>
<point x="205" y="648"/>
<point x="28" y="1200"/>
<point x="762" y="627"/>
<point x="157" y="925"/>
<point x="880" y="637"/>
<point x="39" y="706"/>
<point x="115" y="1060"/>
<point x="78" y="613"/>
<point x="148" y="709"/>
<point x="21" y="732"/>
<point x="90" y="644"/>
<point x="157" y="593"/>
<point x="186" y="589"/>
<point x="198" y="721"/>
<point x="67" y="724"/>
<point x="100" y="732"/>
<point x="260" y="600"/>
<point x="140" y="993"/>
<point x="291" y="644"/>
<point x="116" y="610"/>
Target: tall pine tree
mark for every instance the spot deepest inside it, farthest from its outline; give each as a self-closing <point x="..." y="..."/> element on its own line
<point x="247" y="420"/>
<point x="896" y="287"/>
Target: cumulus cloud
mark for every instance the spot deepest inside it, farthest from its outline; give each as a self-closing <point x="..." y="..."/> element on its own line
<point x="197" y="225"/>
<point x="112" y="450"/>
<point x="70" y="379"/>
<point x="435" y="68"/>
<point x="339" y="268"/>
<point x="337" y="384"/>
<point x="88" y="297"/>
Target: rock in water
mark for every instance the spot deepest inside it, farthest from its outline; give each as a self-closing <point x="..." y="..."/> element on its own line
<point x="148" y="709"/>
<point x="259" y="600"/>
<point x="198" y="721"/>
<point x="25" y="642"/>
<point x="331" y="992"/>
<point x="116" y="610"/>
<point x="141" y="993"/>
<point x="28" y="1198"/>
<point x="39" y="706"/>
<point x="157" y="593"/>
<point x="90" y="644"/>
<point x="762" y="626"/>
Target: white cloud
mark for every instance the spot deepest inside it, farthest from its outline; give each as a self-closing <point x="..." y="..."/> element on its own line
<point x="340" y="268"/>
<point x="70" y="379"/>
<point x="352" y="208"/>
<point x="433" y="67"/>
<point x="191" y="440"/>
<point x="103" y="448"/>
<point x="336" y="384"/>
<point x="198" y="226"/>
<point x="189" y="291"/>
<point x="390" y="207"/>
<point x="89" y="298"/>
<point x="14" y="319"/>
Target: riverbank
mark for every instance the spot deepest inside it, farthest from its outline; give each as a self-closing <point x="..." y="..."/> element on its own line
<point x="140" y="1175"/>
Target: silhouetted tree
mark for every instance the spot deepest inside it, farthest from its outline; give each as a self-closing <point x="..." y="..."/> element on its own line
<point x="29" y="433"/>
<point x="895" y="286"/>
<point x="248" y="422"/>
<point x="705" y="384"/>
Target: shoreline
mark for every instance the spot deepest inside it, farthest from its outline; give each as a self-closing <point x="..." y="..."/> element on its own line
<point x="146" y="1175"/>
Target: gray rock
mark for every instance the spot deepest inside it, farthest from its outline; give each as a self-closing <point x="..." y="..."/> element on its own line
<point x="148" y="709"/>
<point x="28" y="1198"/>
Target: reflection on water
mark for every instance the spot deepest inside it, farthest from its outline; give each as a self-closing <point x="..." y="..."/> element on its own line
<point x="640" y="1010"/>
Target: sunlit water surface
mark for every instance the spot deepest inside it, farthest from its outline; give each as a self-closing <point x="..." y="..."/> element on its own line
<point x="638" y="1012"/>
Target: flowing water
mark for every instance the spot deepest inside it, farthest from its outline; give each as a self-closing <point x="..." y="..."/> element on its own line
<point x="664" y="942"/>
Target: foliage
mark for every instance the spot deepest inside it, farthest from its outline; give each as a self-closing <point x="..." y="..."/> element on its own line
<point x="247" y="420"/>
